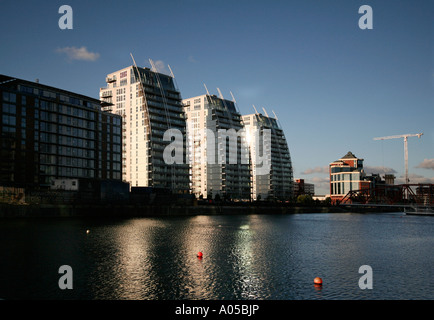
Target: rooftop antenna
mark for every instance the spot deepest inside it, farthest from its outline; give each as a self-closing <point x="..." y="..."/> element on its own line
<point x="233" y="98"/>
<point x="220" y="94"/>
<point x="173" y="77"/>
<point x="171" y="72"/>
<point x="277" y="119"/>
<point x="229" y="113"/>
<point x="234" y="101"/>
<point x="265" y="111"/>
<point x="256" y="111"/>
<point x="133" y="59"/>
<point x="207" y="92"/>
<point x="154" y="68"/>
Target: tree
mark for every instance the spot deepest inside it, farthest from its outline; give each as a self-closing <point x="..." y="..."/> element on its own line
<point x="304" y="199"/>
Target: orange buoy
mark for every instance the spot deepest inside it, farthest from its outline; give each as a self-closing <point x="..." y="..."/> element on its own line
<point x="199" y="254"/>
<point x="317" y="281"/>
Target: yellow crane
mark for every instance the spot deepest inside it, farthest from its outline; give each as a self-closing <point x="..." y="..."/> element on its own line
<point x="405" y="136"/>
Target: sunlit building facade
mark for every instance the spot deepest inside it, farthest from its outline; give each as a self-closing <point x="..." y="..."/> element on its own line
<point x="277" y="181"/>
<point x="217" y="149"/>
<point x="150" y="104"/>
<point x="346" y="174"/>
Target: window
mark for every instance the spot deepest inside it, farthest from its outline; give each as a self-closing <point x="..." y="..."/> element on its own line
<point x="9" y="120"/>
<point x="10" y="97"/>
<point x="9" y="108"/>
<point x="26" y="89"/>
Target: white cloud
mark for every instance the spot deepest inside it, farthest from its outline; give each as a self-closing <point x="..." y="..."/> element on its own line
<point x="161" y="67"/>
<point x="321" y="181"/>
<point x="378" y="170"/>
<point x="324" y="169"/>
<point x="322" y="185"/>
<point x="414" y="179"/>
<point x="82" y="53"/>
<point x="426" y="164"/>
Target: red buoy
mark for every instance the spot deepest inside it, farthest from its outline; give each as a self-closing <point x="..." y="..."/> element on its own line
<point x="199" y="254"/>
<point x="317" y="281"/>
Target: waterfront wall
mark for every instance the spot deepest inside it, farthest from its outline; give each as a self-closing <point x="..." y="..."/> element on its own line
<point x="52" y="210"/>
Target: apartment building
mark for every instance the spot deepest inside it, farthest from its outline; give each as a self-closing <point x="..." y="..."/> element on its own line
<point x="149" y="104"/>
<point x="49" y="134"/>
<point x="217" y="148"/>
<point x="272" y="173"/>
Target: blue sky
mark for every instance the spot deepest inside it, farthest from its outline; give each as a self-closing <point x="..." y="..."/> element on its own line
<point x="333" y="86"/>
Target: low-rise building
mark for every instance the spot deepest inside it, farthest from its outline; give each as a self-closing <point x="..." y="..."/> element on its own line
<point x="303" y="188"/>
<point x="346" y="174"/>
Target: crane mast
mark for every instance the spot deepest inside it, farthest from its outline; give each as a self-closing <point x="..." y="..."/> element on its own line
<point x="405" y="136"/>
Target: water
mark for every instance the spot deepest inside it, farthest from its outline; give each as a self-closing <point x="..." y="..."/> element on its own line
<point x="267" y="257"/>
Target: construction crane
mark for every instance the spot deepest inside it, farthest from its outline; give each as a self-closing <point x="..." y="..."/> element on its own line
<point x="405" y="136"/>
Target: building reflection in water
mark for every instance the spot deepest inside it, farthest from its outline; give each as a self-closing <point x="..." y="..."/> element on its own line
<point x="131" y="259"/>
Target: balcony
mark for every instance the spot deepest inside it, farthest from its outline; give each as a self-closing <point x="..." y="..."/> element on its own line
<point x="110" y="79"/>
<point x="107" y="94"/>
<point x="106" y="104"/>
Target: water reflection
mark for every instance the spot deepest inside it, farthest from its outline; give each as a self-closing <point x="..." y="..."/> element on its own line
<point x="134" y="242"/>
<point x="197" y="278"/>
<point x="247" y="284"/>
<point x="244" y="257"/>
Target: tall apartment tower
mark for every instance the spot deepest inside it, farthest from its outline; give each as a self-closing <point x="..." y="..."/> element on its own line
<point x="149" y="104"/>
<point x="276" y="180"/>
<point x="217" y="149"/>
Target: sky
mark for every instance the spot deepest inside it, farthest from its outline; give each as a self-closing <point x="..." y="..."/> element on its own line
<point x="333" y="86"/>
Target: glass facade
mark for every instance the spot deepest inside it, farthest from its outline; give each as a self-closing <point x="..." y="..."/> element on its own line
<point x="345" y="175"/>
<point x="342" y="183"/>
<point x="49" y="133"/>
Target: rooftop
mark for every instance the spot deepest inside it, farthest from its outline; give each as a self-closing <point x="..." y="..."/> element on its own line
<point x="349" y="155"/>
